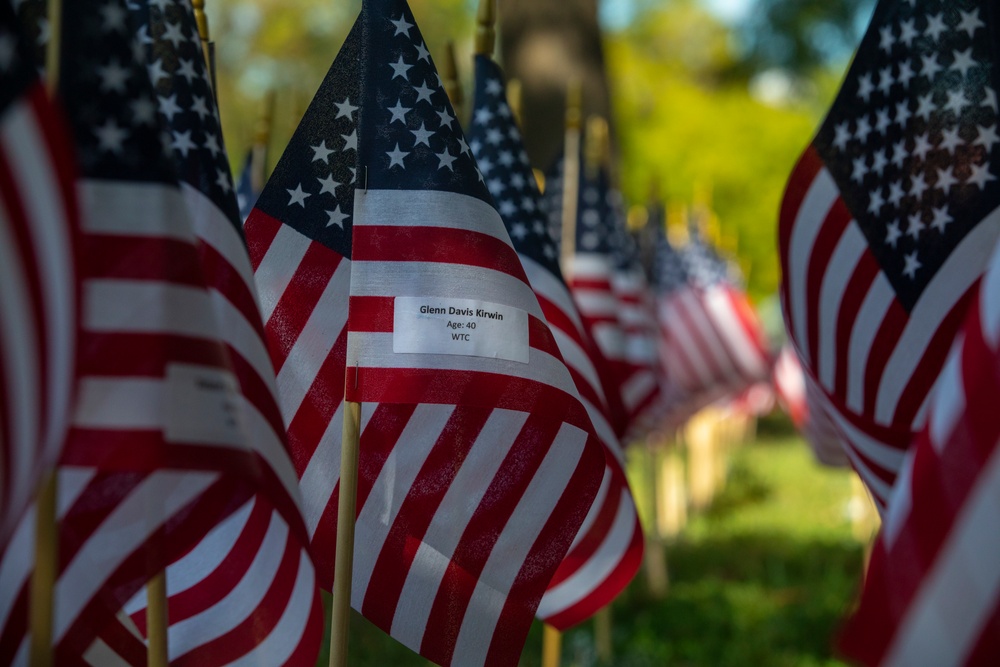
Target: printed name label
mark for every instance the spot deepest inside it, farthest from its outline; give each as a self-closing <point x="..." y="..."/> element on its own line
<point x="467" y="327"/>
<point x="203" y="405"/>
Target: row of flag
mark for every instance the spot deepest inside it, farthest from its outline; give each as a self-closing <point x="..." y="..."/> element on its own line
<point x="189" y="369"/>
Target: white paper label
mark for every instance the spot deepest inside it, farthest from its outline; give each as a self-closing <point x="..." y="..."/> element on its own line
<point x="431" y="325"/>
<point x="203" y="405"/>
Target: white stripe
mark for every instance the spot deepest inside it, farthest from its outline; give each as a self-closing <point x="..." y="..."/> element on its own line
<point x="949" y="398"/>
<point x="135" y="209"/>
<point x="148" y="306"/>
<point x="322" y="472"/>
<point x="374" y="350"/>
<point x="595" y="508"/>
<point x="741" y="347"/>
<point x="888" y="458"/>
<point x="390" y="489"/>
<point x="217" y="231"/>
<point x="99" y="654"/>
<point x="595" y="302"/>
<point x="313" y="343"/>
<point x="452" y="516"/>
<point x="989" y="301"/>
<point x="610" y="340"/>
<point x="49" y="227"/>
<point x="278" y="267"/>
<point x="681" y="340"/>
<point x="133" y="520"/>
<point x="238" y="332"/>
<point x="578" y="360"/>
<point x="17" y="564"/>
<point x="822" y="195"/>
<point x="515" y="541"/>
<point x="957" y="596"/>
<point x="964" y="266"/>
<point x="604" y="561"/>
<point x="707" y="330"/>
<point x="447" y="210"/>
<point x="843" y="263"/>
<point x="590" y="266"/>
<point x="880" y="490"/>
<point x="637" y="387"/>
<point x="553" y="289"/>
<point x="900" y="502"/>
<point x="866" y="325"/>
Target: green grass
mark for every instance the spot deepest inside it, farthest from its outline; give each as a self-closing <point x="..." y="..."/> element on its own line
<point x="762" y="578"/>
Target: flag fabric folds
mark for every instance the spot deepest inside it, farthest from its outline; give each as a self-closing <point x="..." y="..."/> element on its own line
<point x="470" y="491"/>
<point x="932" y="592"/>
<point x="38" y="303"/>
<point x="888" y="221"/>
<point x="168" y="436"/>
<point x="608" y="550"/>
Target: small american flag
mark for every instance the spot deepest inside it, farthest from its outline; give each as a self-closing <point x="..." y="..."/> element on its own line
<point x="932" y="592"/>
<point x="888" y="222"/>
<point x="38" y="300"/>
<point x="608" y="549"/>
<point x="246" y="196"/>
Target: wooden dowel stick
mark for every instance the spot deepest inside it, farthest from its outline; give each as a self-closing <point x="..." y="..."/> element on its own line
<point x="602" y="635"/>
<point x="43" y="578"/>
<point x="571" y="175"/>
<point x="341" y="613"/>
<point x="551" y="646"/>
<point x="157" y="621"/>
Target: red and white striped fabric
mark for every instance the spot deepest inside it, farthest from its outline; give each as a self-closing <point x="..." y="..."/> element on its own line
<point x="790" y="385"/>
<point x="932" y="592"/>
<point x="38" y="282"/>
<point x="802" y="398"/>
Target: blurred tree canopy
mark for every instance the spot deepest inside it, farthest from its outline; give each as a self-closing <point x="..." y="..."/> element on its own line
<point x="695" y="103"/>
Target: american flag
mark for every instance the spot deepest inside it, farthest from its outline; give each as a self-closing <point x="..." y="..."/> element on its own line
<point x="246" y="196"/>
<point x="457" y="535"/>
<point x="932" y="592"/>
<point x="38" y="301"/>
<point x="160" y="451"/>
<point x="888" y="221"/>
<point x="608" y="549"/>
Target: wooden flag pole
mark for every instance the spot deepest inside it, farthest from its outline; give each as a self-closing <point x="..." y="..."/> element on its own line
<point x="261" y="141"/>
<point x="551" y="646"/>
<point x="157" y="621"/>
<point x="602" y="635"/>
<point x="571" y="174"/>
<point x="514" y="94"/>
<point x="449" y="77"/>
<point x="340" y="616"/>
<point x="206" y="46"/>
<point x="43" y="578"/>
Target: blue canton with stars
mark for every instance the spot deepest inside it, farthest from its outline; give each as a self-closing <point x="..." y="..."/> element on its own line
<point x="17" y="59"/>
<point x="911" y="139"/>
<point x="496" y="142"/>
<point x="669" y="272"/>
<point x="597" y="229"/>
<point x="312" y="187"/>
<point x="108" y="97"/>
<point x="409" y="138"/>
<point x="703" y="264"/>
<point x="185" y="100"/>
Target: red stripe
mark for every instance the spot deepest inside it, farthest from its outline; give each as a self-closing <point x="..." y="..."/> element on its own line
<point x="225" y="279"/>
<point x="141" y="258"/>
<point x="260" y="230"/>
<point x="803" y="175"/>
<point x="598" y="531"/>
<point x="830" y="232"/>
<point x="120" y="355"/>
<point x="859" y="284"/>
<point x="887" y="336"/>
<point x="438" y="245"/>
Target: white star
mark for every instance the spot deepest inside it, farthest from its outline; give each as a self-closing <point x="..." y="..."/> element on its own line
<point x="446" y="117"/>
<point x="143" y="111"/>
<point x="8" y="51"/>
<point x="945" y="179"/>
<point x="494" y="137"/>
<point x="110" y="136"/>
<point x="887" y="39"/>
<point x="508" y="209"/>
<point x="182" y="142"/>
<point x="156" y="71"/>
<point x="517" y="181"/>
<point x="925" y="106"/>
<point x="915" y="227"/>
<point x="445" y="159"/>
<point x="981" y="175"/>
<point x="493" y="87"/>
<point x="895" y="193"/>
<point x="843" y="135"/>
<point x="990" y="100"/>
<point x="970" y="22"/>
<point x="935" y="26"/>
<point x="879" y="162"/>
<point x="899" y="154"/>
<point x="941" y="219"/>
<point x="422" y="136"/>
<point x="903" y="113"/>
<point x="320" y="152"/>
<point x="495" y="186"/>
<point x="423" y="92"/>
<point x="528" y="204"/>
<point x="485" y="165"/>
<point x="396" y="157"/>
<point x="956" y="101"/>
<point x="335" y="217"/>
<point x="950" y="140"/>
<point x="328" y="185"/>
<point x="905" y="74"/>
<point x="963" y="62"/>
<point x="168" y="107"/>
<point x="912" y="264"/>
<point x="506" y="158"/>
<point x="298" y="196"/>
<point x="345" y="109"/>
<point x="987" y="136"/>
<point x="885" y="79"/>
<point x="200" y="107"/>
<point x="212" y="144"/>
<point x="398" y="113"/>
<point x="350" y="141"/>
<point x="919" y="186"/>
<point x="399" y="68"/>
<point x="224" y="180"/>
<point x="402" y="26"/>
<point x="882" y="121"/>
<point x="876" y="203"/>
<point x="462" y="146"/>
<point x="865" y="86"/>
<point x="930" y="66"/>
<point x="906" y="32"/>
<point x="186" y="70"/>
<point x="892" y="233"/>
<point x="113" y="77"/>
<point x="482" y="116"/>
<point x="44" y="32"/>
<point x="860" y="169"/>
<point x="113" y="16"/>
<point x="863" y="130"/>
<point x="354" y="174"/>
<point x="173" y="34"/>
<point x="422" y="52"/>
<point x="518" y="231"/>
